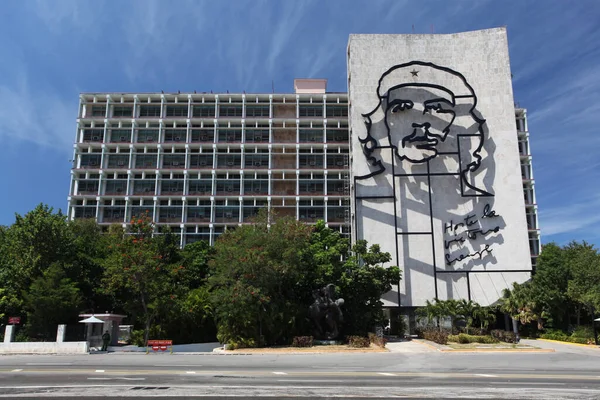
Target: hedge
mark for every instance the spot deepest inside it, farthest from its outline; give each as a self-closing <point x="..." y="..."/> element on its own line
<point x="504" y="336"/>
<point x="379" y="341"/>
<point x="464" y="338"/>
<point x="302" y="341"/>
<point x="434" y="334"/>
<point x="358" y="341"/>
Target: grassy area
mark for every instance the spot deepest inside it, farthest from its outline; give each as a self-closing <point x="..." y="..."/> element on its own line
<point x="466" y="346"/>
<point x="315" y="349"/>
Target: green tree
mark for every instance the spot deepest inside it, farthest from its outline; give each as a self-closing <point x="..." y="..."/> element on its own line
<point x="362" y="284"/>
<point x="584" y="265"/>
<point x="140" y="270"/>
<point x="51" y="300"/>
<point x="549" y="285"/>
<point x="485" y="316"/>
<point x="258" y="290"/>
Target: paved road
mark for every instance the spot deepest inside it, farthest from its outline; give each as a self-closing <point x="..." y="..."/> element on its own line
<point x="572" y="373"/>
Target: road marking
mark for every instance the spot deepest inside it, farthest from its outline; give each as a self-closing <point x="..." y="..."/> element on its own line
<point x="66" y="363"/>
<point x="487" y="375"/>
<point x="116" y="378"/>
<point x="17" y="370"/>
<point x="190" y="372"/>
<point x="99" y="370"/>
<point x="177" y="365"/>
<point x="280" y="373"/>
<point x="386" y="374"/>
<point x="311" y="380"/>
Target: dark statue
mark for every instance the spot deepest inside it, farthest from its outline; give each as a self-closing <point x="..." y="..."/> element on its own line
<point x="326" y="313"/>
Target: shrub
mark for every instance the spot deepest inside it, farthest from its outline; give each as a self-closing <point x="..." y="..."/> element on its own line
<point x="378" y="340"/>
<point x="302" y="341"/>
<point x="563" y="337"/>
<point x="241" y="343"/>
<point x="504" y="336"/>
<point x="358" y="341"/>
<point x="464" y="338"/>
<point x="585" y="332"/>
<point x="435" y="335"/>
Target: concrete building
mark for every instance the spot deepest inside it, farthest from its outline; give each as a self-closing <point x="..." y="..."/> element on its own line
<point x="441" y="173"/>
<point x="422" y="156"/>
<point x="201" y="162"/>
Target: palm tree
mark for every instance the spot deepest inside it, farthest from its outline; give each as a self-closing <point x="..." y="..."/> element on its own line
<point x="467" y="310"/>
<point x="486" y="316"/>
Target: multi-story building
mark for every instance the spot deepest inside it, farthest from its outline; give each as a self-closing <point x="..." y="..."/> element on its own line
<point x="445" y="203"/>
<point x="201" y="162"/>
<point x="528" y="184"/>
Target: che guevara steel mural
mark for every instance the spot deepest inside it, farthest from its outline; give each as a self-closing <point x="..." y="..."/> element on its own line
<point x="427" y="117"/>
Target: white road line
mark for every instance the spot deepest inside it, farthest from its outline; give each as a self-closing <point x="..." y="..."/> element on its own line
<point x="117" y="378"/>
<point x="190" y="372"/>
<point x="99" y="370"/>
<point x="17" y="370"/>
<point x="178" y="365"/>
<point x="487" y="375"/>
<point x="280" y="373"/>
<point x="66" y="363"/>
<point x="386" y="374"/>
<point x="310" y="380"/>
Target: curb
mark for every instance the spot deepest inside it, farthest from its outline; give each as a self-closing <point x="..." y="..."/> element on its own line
<point x="524" y="350"/>
<point x="589" y="346"/>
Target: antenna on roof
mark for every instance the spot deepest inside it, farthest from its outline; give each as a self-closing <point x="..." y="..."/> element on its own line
<point x="431" y="28"/>
<point x="413" y="26"/>
<point x="273" y="86"/>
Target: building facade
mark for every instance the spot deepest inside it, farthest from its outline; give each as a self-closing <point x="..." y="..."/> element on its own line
<point x="452" y="198"/>
<point x="200" y="163"/>
<point x="441" y="174"/>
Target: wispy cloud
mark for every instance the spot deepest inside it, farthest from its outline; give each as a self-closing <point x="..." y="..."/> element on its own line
<point x="570" y="217"/>
<point x="38" y="117"/>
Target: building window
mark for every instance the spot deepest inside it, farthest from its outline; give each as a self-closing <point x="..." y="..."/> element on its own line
<point x="204" y="111"/>
<point x="177" y="111"/>
<point x="230" y="111"/>
<point x="253" y="111"/>
<point x="147" y="135"/>
<point x="311" y="111"/>
<point x="122" y="111"/>
<point x="174" y="135"/>
<point x="203" y="135"/>
<point x="150" y="111"/>
<point x="337" y="111"/>
<point x="99" y="111"/>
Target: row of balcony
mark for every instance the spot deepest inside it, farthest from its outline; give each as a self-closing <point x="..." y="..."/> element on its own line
<point x="215" y="110"/>
<point x="221" y="161"/>
<point x="202" y="215"/>
<point x="179" y="136"/>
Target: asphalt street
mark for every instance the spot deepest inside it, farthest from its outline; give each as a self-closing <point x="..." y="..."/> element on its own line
<point x="568" y="373"/>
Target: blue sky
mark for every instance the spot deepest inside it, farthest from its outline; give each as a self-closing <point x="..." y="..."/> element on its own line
<point x="53" y="50"/>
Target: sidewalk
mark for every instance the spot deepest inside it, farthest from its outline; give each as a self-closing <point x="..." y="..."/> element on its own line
<point x="564" y="347"/>
<point x="177" y="348"/>
<point x="411" y="346"/>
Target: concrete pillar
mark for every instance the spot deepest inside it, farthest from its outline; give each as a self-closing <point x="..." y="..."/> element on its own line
<point x="60" y="333"/>
<point x="9" y="333"/>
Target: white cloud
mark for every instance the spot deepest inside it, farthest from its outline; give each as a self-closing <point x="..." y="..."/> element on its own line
<point x="38" y="117"/>
<point x="570" y="217"/>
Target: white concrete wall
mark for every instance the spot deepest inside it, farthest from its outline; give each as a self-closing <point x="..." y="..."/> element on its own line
<point x="420" y="248"/>
<point x="44" y="348"/>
